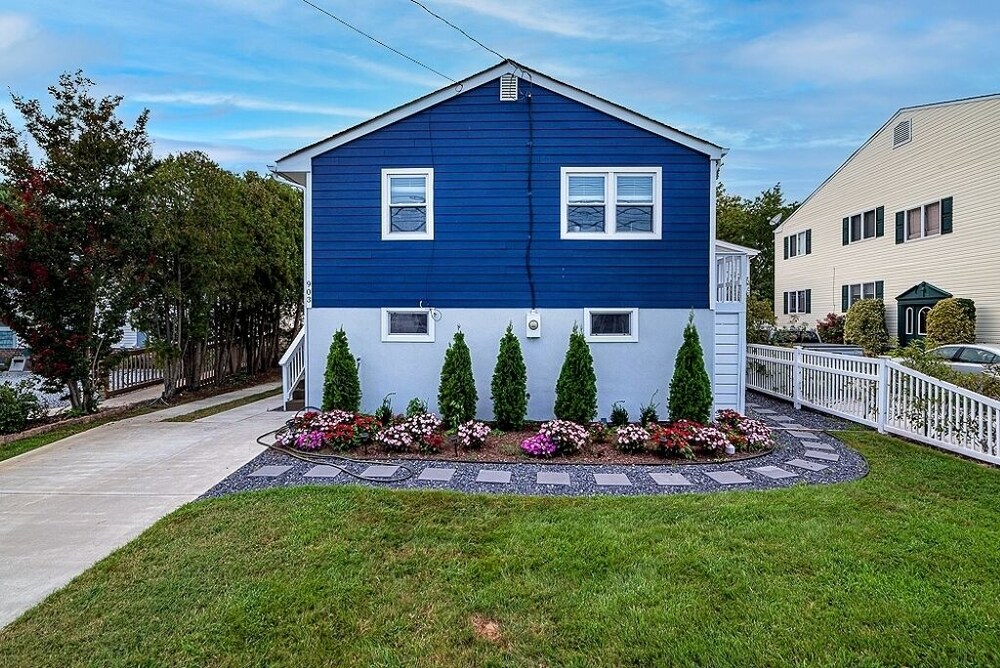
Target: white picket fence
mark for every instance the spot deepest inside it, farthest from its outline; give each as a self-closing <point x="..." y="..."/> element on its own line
<point x="880" y="393"/>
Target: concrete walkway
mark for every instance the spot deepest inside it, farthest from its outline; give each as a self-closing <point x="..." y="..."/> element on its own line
<point x="66" y="505"/>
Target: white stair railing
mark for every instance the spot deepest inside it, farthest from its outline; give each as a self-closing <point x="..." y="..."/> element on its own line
<point x="293" y="365"/>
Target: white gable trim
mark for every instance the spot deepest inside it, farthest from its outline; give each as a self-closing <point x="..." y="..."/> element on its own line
<point x="726" y="247"/>
<point x="301" y="160"/>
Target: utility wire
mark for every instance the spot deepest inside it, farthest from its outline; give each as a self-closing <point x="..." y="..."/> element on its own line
<point x="380" y="43"/>
<point x="446" y="21"/>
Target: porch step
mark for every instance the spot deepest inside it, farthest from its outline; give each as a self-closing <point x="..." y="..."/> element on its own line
<point x="295" y="405"/>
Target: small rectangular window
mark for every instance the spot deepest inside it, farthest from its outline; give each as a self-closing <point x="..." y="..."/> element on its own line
<point x="856" y="228"/>
<point x="408" y="204"/>
<point x="611" y="203"/>
<point x="793" y="245"/>
<point x="412" y="325"/>
<point x="913" y="224"/>
<point x="611" y="325"/>
<point x="869" y="226"/>
<point x="932" y="219"/>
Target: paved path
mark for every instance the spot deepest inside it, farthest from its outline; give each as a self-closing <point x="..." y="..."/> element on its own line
<point x="805" y="454"/>
<point x="66" y="505"/>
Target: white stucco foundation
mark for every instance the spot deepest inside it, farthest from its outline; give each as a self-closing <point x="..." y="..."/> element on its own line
<point x="628" y="372"/>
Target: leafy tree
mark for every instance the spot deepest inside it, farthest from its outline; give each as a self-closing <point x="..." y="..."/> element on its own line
<point x="865" y="326"/>
<point x="831" y="328"/>
<point x="760" y="319"/>
<point x="690" y="388"/>
<point x="747" y="222"/>
<point x="73" y="239"/>
<point x="509" y="388"/>
<point x="576" y="389"/>
<point x="457" y="394"/>
<point x="341" y="385"/>
<point x="952" y="320"/>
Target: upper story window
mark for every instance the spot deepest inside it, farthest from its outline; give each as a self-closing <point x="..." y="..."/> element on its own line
<point x="611" y="324"/>
<point x="799" y="243"/>
<point x="611" y="203"/>
<point x="408" y="204"/>
<point x="407" y="325"/>
<point x="798" y="301"/>
<point x="927" y="220"/>
<point x="866" y="225"/>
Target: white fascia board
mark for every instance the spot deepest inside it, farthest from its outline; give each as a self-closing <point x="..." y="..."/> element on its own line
<point x="727" y="247"/>
<point x="301" y="160"/>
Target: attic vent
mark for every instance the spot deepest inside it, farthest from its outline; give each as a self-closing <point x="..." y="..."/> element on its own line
<point x="508" y="88"/>
<point x="901" y="133"/>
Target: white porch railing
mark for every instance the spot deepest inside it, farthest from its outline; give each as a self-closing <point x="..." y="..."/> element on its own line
<point x="731" y="274"/>
<point x="880" y="393"/>
<point x="293" y="365"/>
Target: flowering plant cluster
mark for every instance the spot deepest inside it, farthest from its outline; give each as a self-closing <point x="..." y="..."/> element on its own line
<point x="396" y="438"/>
<point x="337" y="429"/>
<point x="631" y="438"/>
<point x="472" y="434"/>
<point x="539" y="445"/>
<point x="708" y="437"/>
<point x="420" y="431"/>
<point x="568" y="436"/>
<point x="673" y="440"/>
<point x="743" y="432"/>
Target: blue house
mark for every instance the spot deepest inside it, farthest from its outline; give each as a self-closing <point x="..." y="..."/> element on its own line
<point x="511" y="197"/>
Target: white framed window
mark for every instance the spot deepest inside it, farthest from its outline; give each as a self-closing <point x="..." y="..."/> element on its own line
<point x="862" y="226"/>
<point x="408" y="204"/>
<point x="797" y="244"/>
<point x="611" y="203"/>
<point x="407" y="325"/>
<point x="923" y="221"/>
<point x="922" y="320"/>
<point x="859" y="291"/>
<point x="611" y="325"/>
<point x="798" y="301"/>
<point x="909" y="320"/>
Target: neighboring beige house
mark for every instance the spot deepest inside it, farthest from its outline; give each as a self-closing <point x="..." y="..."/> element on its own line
<point x="912" y="216"/>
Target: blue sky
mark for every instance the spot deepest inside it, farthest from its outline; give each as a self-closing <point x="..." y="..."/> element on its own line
<point x="792" y="88"/>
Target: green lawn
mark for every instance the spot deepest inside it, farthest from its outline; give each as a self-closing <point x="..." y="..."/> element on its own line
<point x="900" y="568"/>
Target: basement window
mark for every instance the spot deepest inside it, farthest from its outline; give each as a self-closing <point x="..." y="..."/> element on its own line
<point x="611" y="325"/>
<point x="407" y="325"/>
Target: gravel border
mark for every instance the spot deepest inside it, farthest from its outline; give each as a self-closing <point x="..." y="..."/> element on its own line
<point x="851" y="466"/>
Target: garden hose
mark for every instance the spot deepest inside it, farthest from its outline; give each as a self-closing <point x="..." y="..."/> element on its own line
<point x="328" y="459"/>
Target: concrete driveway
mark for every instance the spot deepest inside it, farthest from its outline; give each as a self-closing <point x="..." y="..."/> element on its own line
<point x="67" y="505"/>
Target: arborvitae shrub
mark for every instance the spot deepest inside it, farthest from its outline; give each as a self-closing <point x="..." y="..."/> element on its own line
<point x="509" y="387"/>
<point x="690" y="388"/>
<point x="619" y="414"/>
<point x="865" y="326"/>
<point x="576" y="389"/>
<point x="341" y="386"/>
<point x="951" y="320"/>
<point x="457" y="391"/>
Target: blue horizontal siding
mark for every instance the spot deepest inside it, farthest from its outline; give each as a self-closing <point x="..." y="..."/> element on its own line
<point x="478" y="147"/>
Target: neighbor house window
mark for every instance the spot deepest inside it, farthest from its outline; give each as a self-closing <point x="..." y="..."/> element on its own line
<point x="412" y="325"/>
<point x="922" y="320"/>
<point x="611" y="324"/>
<point x="864" y="225"/>
<point x="909" y="320"/>
<point x="923" y="221"/>
<point x="798" y="301"/>
<point x="859" y="291"/>
<point x="611" y="203"/>
<point x="799" y="243"/>
<point x="408" y="204"/>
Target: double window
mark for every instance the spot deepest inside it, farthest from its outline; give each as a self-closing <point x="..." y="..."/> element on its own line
<point x="798" y="301"/>
<point x="865" y="225"/>
<point x="921" y="320"/>
<point x="407" y="325"/>
<point x="799" y="243"/>
<point x="610" y="325"/>
<point x="855" y="292"/>
<point x="923" y="221"/>
<point x="408" y="204"/>
<point x="615" y="203"/>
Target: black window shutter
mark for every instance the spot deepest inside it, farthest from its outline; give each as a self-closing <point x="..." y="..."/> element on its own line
<point x="946" y="215"/>
<point x="786" y="248"/>
<point x="879" y="289"/>
<point x="809" y="242"/>
<point x="844" y="297"/>
<point x="847" y="231"/>
<point x="880" y="221"/>
<point x="900" y="227"/>
<point x="809" y="299"/>
<point x="786" y="303"/>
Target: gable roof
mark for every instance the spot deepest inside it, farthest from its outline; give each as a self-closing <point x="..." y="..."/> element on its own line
<point x="300" y="161"/>
<point x="924" y="290"/>
<point x="728" y="247"/>
<point x="899" y="112"/>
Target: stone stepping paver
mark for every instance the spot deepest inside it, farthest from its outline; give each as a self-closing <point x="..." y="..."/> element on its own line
<point x="782" y="418"/>
<point x="825" y="456"/>
<point x="670" y="479"/>
<point x="322" y="471"/>
<point x="612" y="480"/>
<point x="774" y="472"/>
<point x="818" y="445"/>
<point x="493" y="476"/>
<point x="380" y="471"/>
<point x="269" y="471"/>
<point x="553" y="478"/>
<point x="766" y="411"/>
<point x="728" y="477"/>
<point x="805" y="434"/>
<point x="436" y="475"/>
<point x="807" y="465"/>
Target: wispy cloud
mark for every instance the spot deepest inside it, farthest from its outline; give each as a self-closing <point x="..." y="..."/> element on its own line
<point x="250" y="103"/>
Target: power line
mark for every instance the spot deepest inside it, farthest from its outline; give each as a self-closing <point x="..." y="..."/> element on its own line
<point x="446" y="21"/>
<point x="380" y="43"/>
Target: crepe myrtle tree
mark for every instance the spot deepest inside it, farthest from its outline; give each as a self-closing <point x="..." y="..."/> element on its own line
<point x="73" y="242"/>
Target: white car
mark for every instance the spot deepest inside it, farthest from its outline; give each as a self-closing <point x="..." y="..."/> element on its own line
<point x="968" y="357"/>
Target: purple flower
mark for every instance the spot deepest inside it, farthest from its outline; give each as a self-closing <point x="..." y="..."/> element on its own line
<point x="539" y="445"/>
